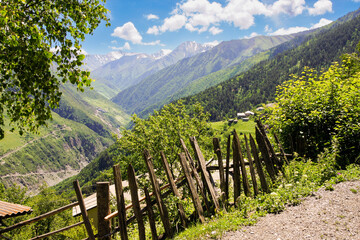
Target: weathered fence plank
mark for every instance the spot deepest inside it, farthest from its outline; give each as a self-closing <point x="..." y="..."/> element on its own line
<point x="264" y="185"/>
<point x="281" y="148"/>
<point x="173" y="188"/>
<point x="164" y="215"/>
<point x="194" y="195"/>
<point x="135" y="201"/>
<point x="270" y="148"/>
<point x="242" y="165"/>
<point x="217" y="151"/>
<point x="204" y="172"/>
<point x="120" y="200"/>
<point x="151" y="214"/>
<point x="228" y="149"/>
<point x="265" y="154"/>
<point x="103" y="207"/>
<point x="83" y="210"/>
<point x="251" y="166"/>
<point x="194" y="172"/>
<point x="236" y="171"/>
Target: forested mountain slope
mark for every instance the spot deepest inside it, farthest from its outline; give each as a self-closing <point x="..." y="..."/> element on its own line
<point x="258" y="84"/>
<point x="152" y="92"/>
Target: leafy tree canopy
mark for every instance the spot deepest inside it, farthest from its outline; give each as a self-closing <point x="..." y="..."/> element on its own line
<point x="317" y="110"/>
<point x="162" y="132"/>
<point x="40" y="47"/>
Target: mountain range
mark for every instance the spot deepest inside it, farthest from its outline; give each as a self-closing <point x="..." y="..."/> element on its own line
<point x="127" y="69"/>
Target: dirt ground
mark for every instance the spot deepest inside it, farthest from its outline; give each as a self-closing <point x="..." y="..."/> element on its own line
<point x="324" y="215"/>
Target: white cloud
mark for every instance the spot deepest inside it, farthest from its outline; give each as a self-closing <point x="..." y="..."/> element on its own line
<point x="283" y="31"/>
<point x="287" y="31"/>
<point x="128" y="32"/>
<point x="204" y="15"/>
<point x="153" y="30"/>
<point x="254" y="34"/>
<point x="322" y="22"/>
<point x="321" y="7"/>
<point x="151" y="16"/>
<point x="290" y="7"/>
<point x="267" y="29"/>
<point x="211" y="44"/>
<point x="215" y="30"/>
<point x="173" y="23"/>
<point x="125" y="47"/>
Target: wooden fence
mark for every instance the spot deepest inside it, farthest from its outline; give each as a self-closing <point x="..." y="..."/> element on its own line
<point x="196" y="176"/>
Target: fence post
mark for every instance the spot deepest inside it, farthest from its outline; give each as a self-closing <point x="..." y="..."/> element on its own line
<point x="150" y="214"/>
<point x="194" y="195"/>
<point x="227" y="167"/>
<point x="103" y="208"/>
<point x="264" y="152"/>
<point x="173" y="188"/>
<point x="120" y="200"/>
<point x="217" y="151"/>
<point x="164" y="215"/>
<point x="83" y="210"/>
<point x="204" y="172"/>
<point x="135" y="201"/>
<point x="251" y="165"/>
<point x="242" y="165"/>
<point x="264" y="185"/>
<point x="236" y="170"/>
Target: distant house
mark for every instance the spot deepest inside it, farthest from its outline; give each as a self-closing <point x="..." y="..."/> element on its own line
<point x="240" y="115"/>
<point x="249" y="113"/>
<point x="230" y="121"/>
<point x="245" y="119"/>
<point x="260" y="109"/>
<point x="235" y="121"/>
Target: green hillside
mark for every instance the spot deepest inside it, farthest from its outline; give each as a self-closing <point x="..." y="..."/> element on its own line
<point x="69" y="143"/>
<point x="156" y="90"/>
<point x="258" y="84"/>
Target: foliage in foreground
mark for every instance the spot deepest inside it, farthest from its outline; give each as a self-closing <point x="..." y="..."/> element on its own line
<point x="40" y="48"/>
<point x="162" y="132"/>
<point x="316" y="110"/>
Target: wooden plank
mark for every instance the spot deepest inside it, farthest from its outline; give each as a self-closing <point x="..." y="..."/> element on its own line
<point x="281" y="148"/>
<point x="204" y="172"/>
<point x="135" y="201"/>
<point x="174" y="188"/>
<point x="38" y="218"/>
<point x="151" y="214"/>
<point x="217" y="151"/>
<point x="194" y="195"/>
<point x="57" y="231"/>
<point x="251" y="166"/>
<point x="83" y="210"/>
<point x="194" y="172"/>
<point x="264" y="185"/>
<point x="245" y="180"/>
<point x="164" y="215"/>
<point x="228" y="149"/>
<point x="103" y="208"/>
<point x="270" y="148"/>
<point x="265" y="154"/>
<point x="236" y="171"/>
<point x="120" y="201"/>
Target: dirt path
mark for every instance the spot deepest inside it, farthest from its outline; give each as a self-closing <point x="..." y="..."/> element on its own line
<point x="325" y="215"/>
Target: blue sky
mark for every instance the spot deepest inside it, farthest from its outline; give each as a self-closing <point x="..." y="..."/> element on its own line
<point x="148" y="26"/>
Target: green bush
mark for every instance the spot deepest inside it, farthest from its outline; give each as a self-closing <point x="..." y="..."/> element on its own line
<point x="319" y="110"/>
